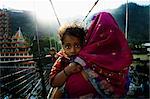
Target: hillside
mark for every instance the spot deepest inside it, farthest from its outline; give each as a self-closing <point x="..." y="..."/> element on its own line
<point x="138" y="22"/>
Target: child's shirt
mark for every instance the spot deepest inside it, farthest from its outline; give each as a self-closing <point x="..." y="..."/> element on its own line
<point x="76" y="85"/>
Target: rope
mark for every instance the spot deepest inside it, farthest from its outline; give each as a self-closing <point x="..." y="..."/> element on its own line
<point x="55" y="12"/>
<point x="126" y="26"/>
<point x="90" y="10"/>
<point x="57" y="21"/>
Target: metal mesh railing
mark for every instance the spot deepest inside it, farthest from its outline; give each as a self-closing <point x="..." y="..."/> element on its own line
<point x="24" y="81"/>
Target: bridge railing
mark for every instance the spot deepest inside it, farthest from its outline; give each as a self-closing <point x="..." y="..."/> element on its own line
<point x="24" y="81"/>
<point x="27" y="82"/>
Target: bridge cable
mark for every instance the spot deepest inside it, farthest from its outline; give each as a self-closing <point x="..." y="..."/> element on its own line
<point x="56" y="46"/>
<point x="126" y="19"/>
<point x="90" y="10"/>
<point x="55" y="12"/>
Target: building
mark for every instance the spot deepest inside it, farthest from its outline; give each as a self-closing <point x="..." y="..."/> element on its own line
<point x="14" y="50"/>
<point x="4" y="22"/>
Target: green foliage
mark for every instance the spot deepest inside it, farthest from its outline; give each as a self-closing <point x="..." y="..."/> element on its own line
<point x="44" y="45"/>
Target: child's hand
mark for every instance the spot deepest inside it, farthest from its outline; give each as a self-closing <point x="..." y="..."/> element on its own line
<point x="73" y="68"/>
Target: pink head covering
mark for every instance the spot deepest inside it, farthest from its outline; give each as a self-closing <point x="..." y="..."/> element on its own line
<point x="106" y="45"/>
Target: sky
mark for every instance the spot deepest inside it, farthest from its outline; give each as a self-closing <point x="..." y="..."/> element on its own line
<point x="64" y="8"/>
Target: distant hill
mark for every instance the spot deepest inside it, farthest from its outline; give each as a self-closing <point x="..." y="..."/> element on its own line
<point x="138" y="30"/>
<point x="23" y="19"/>
<point x="138" y="21"/>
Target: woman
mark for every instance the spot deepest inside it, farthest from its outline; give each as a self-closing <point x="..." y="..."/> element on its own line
<point x="104" y="57"/>
<point x="106" y="52"/>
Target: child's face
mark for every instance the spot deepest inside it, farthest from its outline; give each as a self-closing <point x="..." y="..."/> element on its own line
<point x="71" y="45"/>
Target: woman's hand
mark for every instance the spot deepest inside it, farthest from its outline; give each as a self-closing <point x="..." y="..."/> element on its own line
<point x="108" y="89"/>
<point x="72" y="68"/>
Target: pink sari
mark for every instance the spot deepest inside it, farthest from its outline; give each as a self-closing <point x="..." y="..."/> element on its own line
<point x="106" y="51"/>
<point x="106" y="45"/>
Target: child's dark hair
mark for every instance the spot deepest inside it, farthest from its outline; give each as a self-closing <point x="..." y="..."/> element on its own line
<point x="72" y="30"/>
<point x="52" y="49"/>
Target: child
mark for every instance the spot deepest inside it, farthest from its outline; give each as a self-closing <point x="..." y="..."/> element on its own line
<point x="104" y="58"/>
<point x="67" y="72"/>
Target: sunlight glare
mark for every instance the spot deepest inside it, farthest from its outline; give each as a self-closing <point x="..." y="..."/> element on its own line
<point x="43" y="10"/>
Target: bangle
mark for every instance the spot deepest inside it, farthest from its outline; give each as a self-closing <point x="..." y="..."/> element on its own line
<point x="66" y="74"/>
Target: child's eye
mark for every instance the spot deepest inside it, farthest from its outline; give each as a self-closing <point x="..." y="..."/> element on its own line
<point x="67" y="46"/>
<point x="77" y="46"/>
